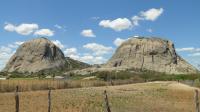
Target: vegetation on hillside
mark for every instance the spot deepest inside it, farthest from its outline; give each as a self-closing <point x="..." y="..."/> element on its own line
<point x="75" y="64"/>
<point x="146" y="76"/>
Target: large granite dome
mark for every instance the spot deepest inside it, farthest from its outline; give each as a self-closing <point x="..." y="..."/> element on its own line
<point x="150" y="54"/>
<point x="35" y="55"/>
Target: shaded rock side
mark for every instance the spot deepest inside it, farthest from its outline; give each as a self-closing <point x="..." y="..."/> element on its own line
<point x="36" y="55"/>
<point x="153" y="54"/>
<point x="75" y="64"/>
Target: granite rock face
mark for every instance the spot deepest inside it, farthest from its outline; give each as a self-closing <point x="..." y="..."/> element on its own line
<point x="36" y="55"/>
<point x="153" y="54"/>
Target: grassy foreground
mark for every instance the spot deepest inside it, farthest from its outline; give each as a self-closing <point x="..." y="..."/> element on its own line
<point x="141" y="97"/>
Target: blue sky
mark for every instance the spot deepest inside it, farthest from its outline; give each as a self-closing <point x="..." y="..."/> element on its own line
<point x="90" y="30"/>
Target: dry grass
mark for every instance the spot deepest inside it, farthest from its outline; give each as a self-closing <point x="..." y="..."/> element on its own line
<point x="35" y="84"/>
<point x="141" y="97"/>
<point x="32" y="85"/>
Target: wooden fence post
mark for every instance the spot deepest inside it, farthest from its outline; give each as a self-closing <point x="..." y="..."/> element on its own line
<point x="17" y="99"/>
<point x="111" y="82"/>
<point x="106" y="102"/>
<point x="49" y="100"/>
<point x="197" y="100"/>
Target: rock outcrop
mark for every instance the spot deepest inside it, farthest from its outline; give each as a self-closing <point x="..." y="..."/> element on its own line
<point x="36" y="55"/>
<point x="153" y="54"/>
<point x="41" y="54"/>
<point x="75" y="64"/>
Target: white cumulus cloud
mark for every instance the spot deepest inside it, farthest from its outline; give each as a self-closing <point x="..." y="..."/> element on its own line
<point x="118" y="24"/>
<point x="185" y="49"/>
<point x="15" y="44"/>
<point x="72" y="53"/>
<point x="87" y="57"/>
<point x="27" y="29"/>
<point x="19" y="43"/>
<point x="58" y="44"/>
<point x="9" y="27"/>
<point x="191" y="51"/>
<point x="194" y="54"/>
<point x="5" y="53"/>
<point x="44" y="32"/>
<point x="88" y="33"/>
<point x="118" y="41"/>
<point x="93" y="59"/>
<point x="23" y="29"/>
<point x="152" y="14"/>
<point x="98" y="49"/>
<point x="149" y="15"/>
<point x="136" y="19"/>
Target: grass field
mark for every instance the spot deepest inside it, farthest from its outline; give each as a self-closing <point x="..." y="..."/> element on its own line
<point x="45" y="84"/>
<point x="141" y="97"/>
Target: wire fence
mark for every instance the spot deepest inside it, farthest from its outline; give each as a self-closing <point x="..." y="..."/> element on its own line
<point x="105" y="104"/>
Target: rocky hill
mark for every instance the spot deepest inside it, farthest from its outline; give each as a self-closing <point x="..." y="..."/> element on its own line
<point x="40" y="54"/>
<point x="153" y="54"/>
<point x="75" y="64"/>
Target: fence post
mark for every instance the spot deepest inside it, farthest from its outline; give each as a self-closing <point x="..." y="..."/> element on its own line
<point x="17" y="99"/>
<point x="49" y="100"/>
<point x="197" y="100"/>
<point x="106" y="102"/>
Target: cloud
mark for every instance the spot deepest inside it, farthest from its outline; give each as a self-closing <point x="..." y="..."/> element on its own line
<point x="149" y="30"/>
<point x="118" y="24"/>
<point x="58" y="26"/>
<point x="118" y="41"/>
<point x="88" y="33"/>
<point x="98" y="49"/>
<point x="191" y="51"/>
<point x="58" y="44"/>
<point x="191" y="54"/>
<point x="15" y="44"/>
<point x="70" y="51"/>
<point x="9" y="27"/>
<point x="23" y="29"/>
<point x="5" y="53"/>
<point x="95" y="18"/>
<point x="4" y="49"/>
<point x="151" y="14"/>
<point x="194" y="54"/>
<point x="19" y="43"/>
<point x="87" y="57"/>
<point x="186" y="49"/>
<point x="27" y="29"/>
<point x="44" y="32"/>
<point x="136" y="19"/>
<point x="93" y="59"/>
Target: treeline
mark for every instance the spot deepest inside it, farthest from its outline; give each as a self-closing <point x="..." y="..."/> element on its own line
<point x="145" y="76"/>
<point x="40" y="74"/>
<point x="109" y="75"/>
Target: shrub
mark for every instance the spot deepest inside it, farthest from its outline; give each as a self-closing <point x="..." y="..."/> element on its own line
<point x="122" y="75"/>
